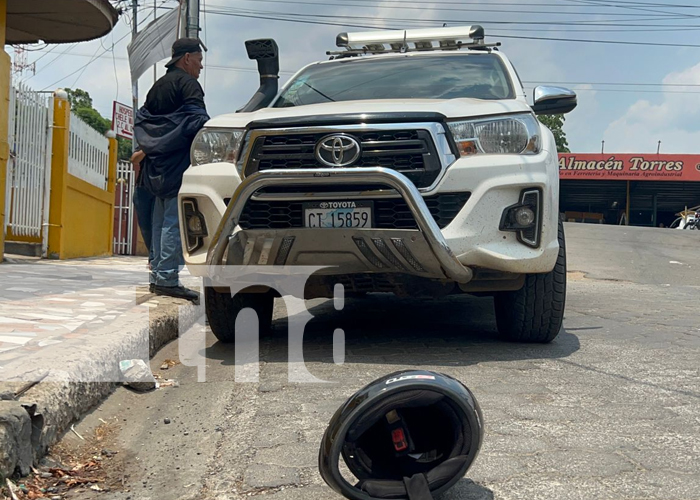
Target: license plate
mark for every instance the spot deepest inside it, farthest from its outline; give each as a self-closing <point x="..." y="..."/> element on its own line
<point x="338" y="214"/>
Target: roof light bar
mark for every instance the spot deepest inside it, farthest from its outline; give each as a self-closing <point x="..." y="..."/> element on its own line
<point x="422" y="39"/>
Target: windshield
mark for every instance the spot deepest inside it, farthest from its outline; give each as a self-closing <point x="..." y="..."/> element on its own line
<point x="479" y="76"/>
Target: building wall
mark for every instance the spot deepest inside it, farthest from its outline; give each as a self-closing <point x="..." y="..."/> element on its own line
<point x="4" y="105"/>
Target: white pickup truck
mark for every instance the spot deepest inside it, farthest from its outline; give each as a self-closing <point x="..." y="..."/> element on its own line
<point x="410" y="162"/>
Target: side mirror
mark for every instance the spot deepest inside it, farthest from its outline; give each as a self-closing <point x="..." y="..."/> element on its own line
<point x="553" y="100"/>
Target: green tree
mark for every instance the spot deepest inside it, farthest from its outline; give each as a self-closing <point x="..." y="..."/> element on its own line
<point x="125" y="148"/>
<point x="81" y="105"/>
<point x="555" y="123"/>
<point x="79" y="98"/>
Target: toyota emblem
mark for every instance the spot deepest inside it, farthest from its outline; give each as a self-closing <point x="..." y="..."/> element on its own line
<point x="338" y="150"/>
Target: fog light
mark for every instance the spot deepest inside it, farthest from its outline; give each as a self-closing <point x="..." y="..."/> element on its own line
<point x="524" y="216"/>
<point x="195" y="226"/>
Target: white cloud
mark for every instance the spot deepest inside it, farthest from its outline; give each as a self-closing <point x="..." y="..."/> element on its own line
<point x="674" y="120"/>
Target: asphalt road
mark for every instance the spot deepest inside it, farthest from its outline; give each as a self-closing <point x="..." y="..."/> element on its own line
<point x="609" y="410"/>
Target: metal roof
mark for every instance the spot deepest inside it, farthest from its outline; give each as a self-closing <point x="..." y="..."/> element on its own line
<point x="58" y="21"/>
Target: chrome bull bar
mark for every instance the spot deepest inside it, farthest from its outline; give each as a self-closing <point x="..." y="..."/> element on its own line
<point x="444" y="256"/>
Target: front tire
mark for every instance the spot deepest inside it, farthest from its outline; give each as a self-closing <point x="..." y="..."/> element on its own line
<point x="535" y="313"/>
<point x="222" y="311"/>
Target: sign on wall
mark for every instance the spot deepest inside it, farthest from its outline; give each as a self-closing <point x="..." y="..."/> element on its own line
<point x="123" y="120"/>
<point x="629" y="167"/>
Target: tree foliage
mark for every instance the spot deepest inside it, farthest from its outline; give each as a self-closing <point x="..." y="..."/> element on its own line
<point x="81" y="105"/>
<point x="79" y="98"/>
<point x="555" y="123"/>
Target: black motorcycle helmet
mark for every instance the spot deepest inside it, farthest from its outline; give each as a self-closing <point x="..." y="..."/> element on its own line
<point x="408" y="435"/>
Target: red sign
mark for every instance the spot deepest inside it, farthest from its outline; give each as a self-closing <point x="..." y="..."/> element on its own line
<point x="123" y="120"/>
<point x="629" y="167"/>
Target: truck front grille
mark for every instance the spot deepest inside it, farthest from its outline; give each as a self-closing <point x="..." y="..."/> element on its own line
<point x="411" y="152"/>
<point x="389" y="213"/>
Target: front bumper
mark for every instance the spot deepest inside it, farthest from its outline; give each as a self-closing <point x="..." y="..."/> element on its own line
<point x="423" y="252"/>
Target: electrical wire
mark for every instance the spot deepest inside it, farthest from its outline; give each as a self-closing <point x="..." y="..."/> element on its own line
<point x="636" y="91"/>
<point x="619" y="84"/>
<point x="284" y="72"/>
<point x="608" y="3"/>
<point x="95" y="58"/>
<point x="501" y="4"/>
<point x="655" y="27"/>
<point x="206" y="44"/>
<point x="91" y="61"/>
<point x="58" y="56"/>
<point x="326" y="23"/>
<point x="607" y="23"/>
<point x="114" y="64"/>
<point x="454" y="9"/>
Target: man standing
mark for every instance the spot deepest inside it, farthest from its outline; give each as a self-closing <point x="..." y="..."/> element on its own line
<point x="144" y="202"/>
<point x="164" y="129"/>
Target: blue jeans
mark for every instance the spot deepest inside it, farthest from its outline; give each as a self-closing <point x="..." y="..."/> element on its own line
<point x="144" y="202"/>
<point x="166" y="243"/>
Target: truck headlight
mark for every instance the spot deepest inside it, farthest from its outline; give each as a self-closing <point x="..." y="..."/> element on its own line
<point x="216" y="145"/>
<point x="514" y="134"/>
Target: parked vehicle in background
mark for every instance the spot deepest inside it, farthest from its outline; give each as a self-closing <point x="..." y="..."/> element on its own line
<point x="687" y="219"/>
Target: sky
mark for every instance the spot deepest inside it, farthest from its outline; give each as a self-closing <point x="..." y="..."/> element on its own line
<point x="659" y="101"/>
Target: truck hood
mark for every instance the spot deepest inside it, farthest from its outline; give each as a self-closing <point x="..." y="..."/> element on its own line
<point x="452" y="108"/>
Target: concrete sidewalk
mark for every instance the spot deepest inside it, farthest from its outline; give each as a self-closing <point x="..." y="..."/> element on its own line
<point x="64" y="327"/>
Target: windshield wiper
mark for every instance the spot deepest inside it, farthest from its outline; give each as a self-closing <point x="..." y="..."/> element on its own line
<point x="319" y="92"/>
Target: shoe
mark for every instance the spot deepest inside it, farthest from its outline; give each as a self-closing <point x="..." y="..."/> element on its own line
<point x="179" y="292"/>
<point x="152" y="287"/>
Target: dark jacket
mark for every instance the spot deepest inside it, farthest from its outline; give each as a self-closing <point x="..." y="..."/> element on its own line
<point x="173" y="90"/>
<point x="166" y="139"/>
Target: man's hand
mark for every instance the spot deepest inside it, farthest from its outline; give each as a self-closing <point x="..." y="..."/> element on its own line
<point x="137" y="157"/>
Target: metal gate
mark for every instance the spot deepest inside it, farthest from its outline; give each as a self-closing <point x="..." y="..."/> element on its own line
<point x="29" y="165"/>
<point x="124" y="226"/>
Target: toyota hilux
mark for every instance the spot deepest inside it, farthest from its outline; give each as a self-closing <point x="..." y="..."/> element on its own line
<point x="408" y="162"/>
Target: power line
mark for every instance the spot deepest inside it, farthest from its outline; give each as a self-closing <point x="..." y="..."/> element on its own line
<point x="612" y="3"/>
<point x="204" y="11"/>
<point x="91" y="60"/>
<point x="620" y="84"/>
<point x="213" y="66"/>
<point x="608" y="23"/>
<point x="328" y="23"/>
<point x="518" y="4"/>
<point x="287" y="72"/>
<point x="68" y="49"/>
<point x="96" y="58"/>
<point x="635" y="91"/>
<point x="612" y="42"/>
<point x="454" y="9"/>
<point x="114" y="65"/>
<point x="593" y="3"/>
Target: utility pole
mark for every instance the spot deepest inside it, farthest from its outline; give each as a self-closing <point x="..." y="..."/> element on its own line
<point x="134" y="83"/>
<point x="192" y="28"/>
<point x="155" y="16"/>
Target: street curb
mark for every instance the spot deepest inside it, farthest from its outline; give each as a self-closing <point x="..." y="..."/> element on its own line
<point x="62" y="397"/>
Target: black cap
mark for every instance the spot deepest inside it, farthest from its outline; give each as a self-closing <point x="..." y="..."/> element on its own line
<point x="183" y="46"/>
